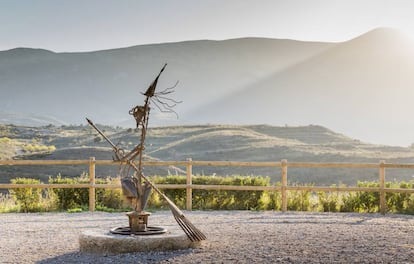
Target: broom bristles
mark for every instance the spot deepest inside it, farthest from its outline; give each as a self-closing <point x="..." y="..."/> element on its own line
<point x="192" y="232"/>
<point x="189" y="229"/>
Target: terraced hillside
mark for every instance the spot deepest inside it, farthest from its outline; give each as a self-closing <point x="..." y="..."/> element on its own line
<point x="211" y="142"/>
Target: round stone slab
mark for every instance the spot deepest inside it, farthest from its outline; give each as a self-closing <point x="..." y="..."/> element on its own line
<point x="102" y="241"/>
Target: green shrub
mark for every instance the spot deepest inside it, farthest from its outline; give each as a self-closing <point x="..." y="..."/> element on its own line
<point x="31" y="148"/>
<point x="155" y="202"/>
<point x="298" y="200"/>
<point x="216" y="199"/>
<point x="229" y="199"/>
<point x="75" y="210"/>
<point x="7" y="204"/>
<point x="350" y="203"/>
<point x="28" y="199"/>
<point x="178" y="196"/>
<point x="329" y="201"/>
<point x="110" y="198"/>
<point x="398" y="202"/>
<point x="270" y="201"/>
<point x="69" y="198"/>
<point x="5" y="140"/>
<point x="369" y="201"/>
<point x="409" y="209"/>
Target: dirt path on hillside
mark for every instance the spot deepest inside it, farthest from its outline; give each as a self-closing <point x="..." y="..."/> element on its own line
<point x="233" y="237"/>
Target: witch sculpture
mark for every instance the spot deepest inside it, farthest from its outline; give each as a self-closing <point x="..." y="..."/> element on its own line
<point x="136" y="187"/>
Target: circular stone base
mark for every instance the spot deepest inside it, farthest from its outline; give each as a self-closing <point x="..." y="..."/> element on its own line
<point x="102" y="241"/>
<point x="126" y="230"/>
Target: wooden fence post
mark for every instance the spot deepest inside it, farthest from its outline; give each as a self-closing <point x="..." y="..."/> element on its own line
<point x="189" y="190"/>
<point x="382" y="204"/>
<point x="92" y="184"/>
<point x="284" y="185"/>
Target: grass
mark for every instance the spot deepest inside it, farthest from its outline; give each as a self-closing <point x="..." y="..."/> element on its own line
<point x="7" y="148"/>
<point x="35" y="148"/>
<point x="7" y="204"/>
<point x="75" y="210"/>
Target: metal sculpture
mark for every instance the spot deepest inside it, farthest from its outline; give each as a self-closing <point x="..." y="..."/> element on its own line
<point x="136" y="187"/>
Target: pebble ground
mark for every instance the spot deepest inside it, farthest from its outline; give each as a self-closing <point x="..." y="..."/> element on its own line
<point x="233" y="237"/>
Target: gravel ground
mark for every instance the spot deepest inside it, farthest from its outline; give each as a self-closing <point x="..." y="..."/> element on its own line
<point x="233" y="237"/>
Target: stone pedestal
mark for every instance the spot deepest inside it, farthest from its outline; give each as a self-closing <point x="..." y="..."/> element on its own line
<point x="138" y="221"/>
<point x="103" y="242"/>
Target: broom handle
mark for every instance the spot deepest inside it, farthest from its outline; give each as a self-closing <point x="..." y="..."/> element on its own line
<point x="115" y="148"/>
<point x="122" y="157"/>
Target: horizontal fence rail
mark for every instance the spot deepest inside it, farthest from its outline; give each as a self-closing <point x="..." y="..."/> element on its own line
<point x="189" y="163"/>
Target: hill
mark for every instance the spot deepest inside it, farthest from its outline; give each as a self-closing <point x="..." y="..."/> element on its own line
<point x="104" y="85"/>
<point x="361" y="87"/>
<point x="209" y="143"/>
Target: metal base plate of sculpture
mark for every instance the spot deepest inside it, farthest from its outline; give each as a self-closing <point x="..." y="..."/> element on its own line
<point x="136" y="187"/>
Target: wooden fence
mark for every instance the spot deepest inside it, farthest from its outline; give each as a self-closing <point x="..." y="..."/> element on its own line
<point x="189" y="163"/>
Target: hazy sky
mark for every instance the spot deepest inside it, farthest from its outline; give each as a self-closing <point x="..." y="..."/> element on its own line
<point x="81" y="25"/>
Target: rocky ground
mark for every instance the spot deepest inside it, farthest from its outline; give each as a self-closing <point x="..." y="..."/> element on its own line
<point x="233" y="237"/>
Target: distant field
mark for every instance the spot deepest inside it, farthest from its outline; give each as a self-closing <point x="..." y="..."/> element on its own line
<point x="210" y="142"/>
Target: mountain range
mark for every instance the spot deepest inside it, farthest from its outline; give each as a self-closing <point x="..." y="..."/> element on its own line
<point x="361" y="87"/>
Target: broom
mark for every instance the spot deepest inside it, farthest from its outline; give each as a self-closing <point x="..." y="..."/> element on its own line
<point x="192" y="232"/>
